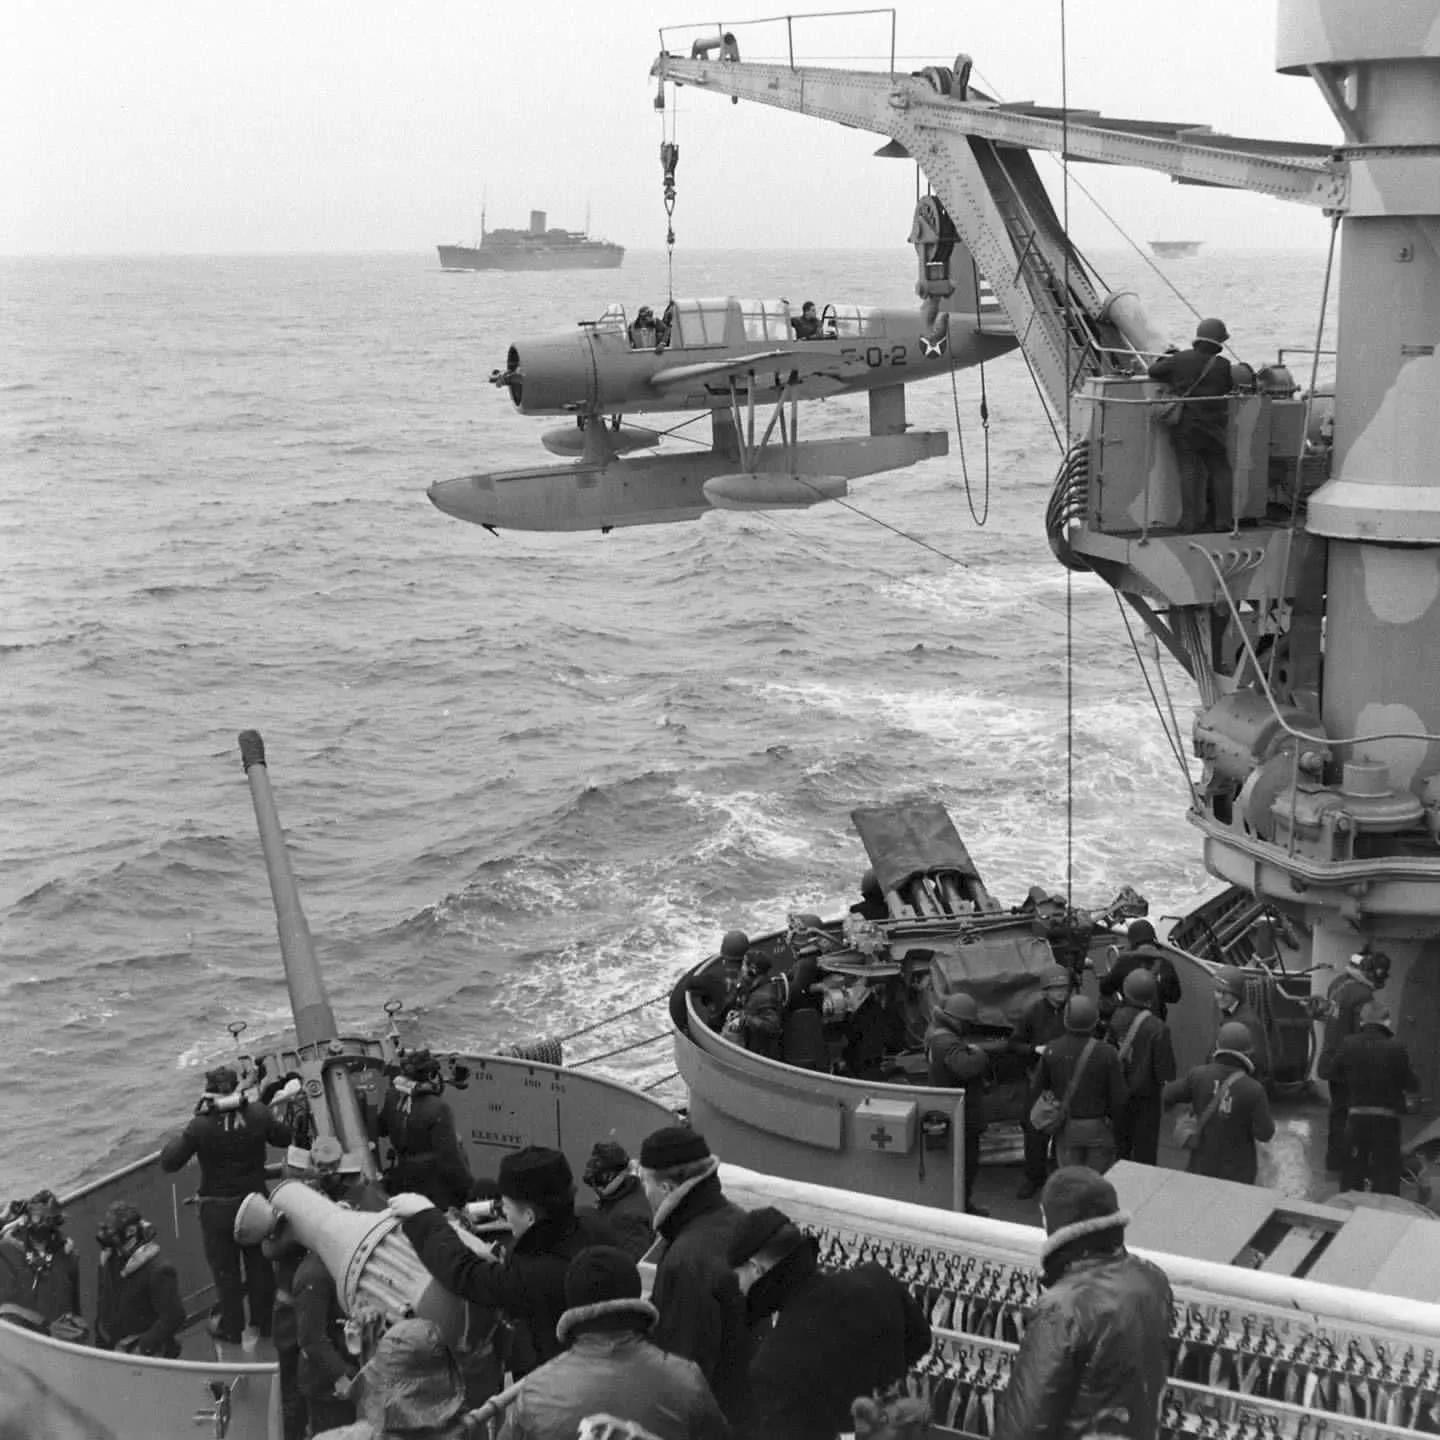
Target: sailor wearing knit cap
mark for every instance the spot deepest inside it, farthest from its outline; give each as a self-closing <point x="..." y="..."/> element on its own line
<point x="1094" y="1357"/>
<point x="702" y="1315"/>
<point x="837" y="1335"/>
<point x="619" y="1197"/>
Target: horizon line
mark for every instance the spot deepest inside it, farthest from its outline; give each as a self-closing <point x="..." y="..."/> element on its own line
<point x="428" y="251"/>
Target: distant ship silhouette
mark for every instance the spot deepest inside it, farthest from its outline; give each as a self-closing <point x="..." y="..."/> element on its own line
<point x="534" y="249"/>
<point x="1176" y="249"/>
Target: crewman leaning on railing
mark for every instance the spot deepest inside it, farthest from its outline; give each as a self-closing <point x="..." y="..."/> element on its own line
<point x="1200" y="377"/>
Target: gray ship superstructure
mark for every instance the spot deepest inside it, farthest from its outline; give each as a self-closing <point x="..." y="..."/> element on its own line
<point x="536" y="248"/>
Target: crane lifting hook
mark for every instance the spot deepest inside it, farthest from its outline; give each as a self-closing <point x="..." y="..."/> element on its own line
<point x="669" y="159"/>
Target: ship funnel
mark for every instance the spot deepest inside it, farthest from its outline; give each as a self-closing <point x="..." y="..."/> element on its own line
<point x="374" y="1266"/>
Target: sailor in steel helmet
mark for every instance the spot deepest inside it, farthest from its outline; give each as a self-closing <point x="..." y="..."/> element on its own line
<point x="1349" y="992"/>
<point x="1373" y="1068"/>
<point x="1200" y="377"/>
<point x="1041" y="1020"/>
<point x="1233" y="1003"/>
<point x="1228" y="1100"/>
<point x="958" y="1063"/>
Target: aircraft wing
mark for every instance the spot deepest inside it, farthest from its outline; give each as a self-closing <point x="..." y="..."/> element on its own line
<point x="737" y="365"/>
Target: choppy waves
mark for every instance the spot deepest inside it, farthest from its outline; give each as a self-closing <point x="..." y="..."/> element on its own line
<point x="523" y="779"/>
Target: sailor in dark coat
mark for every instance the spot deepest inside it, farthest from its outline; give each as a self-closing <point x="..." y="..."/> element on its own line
<point x="1088" y="1136"/>
<point x="958" y="1064"/>
<point x="759" y="1018"/>
<point x="871" y="905"/>
<point x="1041" y="1021"/>
<point x="610" y="1366"/>
<point x="1226" y="1148"/>
<point x="1232" y="1005"/>
<point x="1350" y="991"/>
<point x="138" y="1306"/>
<point x="836" y="1334"/>
<point x="309" y="1332"/>
<point x="702" y="1314"/>
<point x="1142" y="953"/>
<point x="1094" y="1358"/>
<point x="229" y="1134"/>
<point x="537" y="1191"/>
<point x="1374" y="1067"/>
<point x="428" y="1158"/>
<point x="1202" y="374"/>
<point x="619" y="1197"/>
<point x="1147" y="1061"/>
<point x="322" y="1360"/>
<point x="283" y="1249"/>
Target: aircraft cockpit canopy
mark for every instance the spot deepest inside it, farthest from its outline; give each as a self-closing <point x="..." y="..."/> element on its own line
<point x="766" y="320"/>
<point x="855" y="320"/>
<point x="611" y="318"/>
<point x="700" y="322"/>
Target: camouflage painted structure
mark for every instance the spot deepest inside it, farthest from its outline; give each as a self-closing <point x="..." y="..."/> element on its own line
<point x="1309" y="621"/>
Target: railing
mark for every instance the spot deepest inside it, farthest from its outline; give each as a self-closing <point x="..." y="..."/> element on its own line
<point x="685" y="34"/>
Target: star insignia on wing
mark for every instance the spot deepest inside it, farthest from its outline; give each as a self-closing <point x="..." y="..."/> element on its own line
<point x="931" y="348"/>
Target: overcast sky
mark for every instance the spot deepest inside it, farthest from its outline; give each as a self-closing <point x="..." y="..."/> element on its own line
<point x="314" y="125"/>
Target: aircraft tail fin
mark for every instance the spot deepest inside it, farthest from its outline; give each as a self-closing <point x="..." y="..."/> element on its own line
<point x="949" y="279"/>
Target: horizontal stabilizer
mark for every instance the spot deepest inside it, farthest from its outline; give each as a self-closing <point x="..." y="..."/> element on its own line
<point x="773" y="492"/>
<point x="730" y="365"/>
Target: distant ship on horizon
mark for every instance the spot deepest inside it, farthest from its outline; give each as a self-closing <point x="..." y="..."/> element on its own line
<point x="537" y="248"/>
<point x="1176" y="249"/>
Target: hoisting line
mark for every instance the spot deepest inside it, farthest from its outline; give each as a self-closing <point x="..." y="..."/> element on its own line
<point x="984" y="513"/>
<point x="669" y="159"/>
<point x="1170" y="726"/>
<point x="1309" y="406"/>
<point x="1069" y="574"/>
<point x="883" y="524"/>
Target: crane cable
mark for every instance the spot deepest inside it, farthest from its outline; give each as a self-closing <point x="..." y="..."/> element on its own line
<point x="1294" y="525"/>
<point x="669" y="159"/>
<point x="983" y="514"/>
<point x="1169" y="722"/>
<point x="1069" y="574"/>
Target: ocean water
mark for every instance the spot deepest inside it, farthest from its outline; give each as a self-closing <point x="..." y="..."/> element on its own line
<point x="525" y="779"/>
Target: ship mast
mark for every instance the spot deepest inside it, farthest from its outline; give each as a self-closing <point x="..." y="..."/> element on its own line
<point x="1312" y="639"/>
<point x="1378" y="517"/>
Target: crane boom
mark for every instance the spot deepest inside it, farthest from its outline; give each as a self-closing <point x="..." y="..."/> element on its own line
<point x="975" y="154"/>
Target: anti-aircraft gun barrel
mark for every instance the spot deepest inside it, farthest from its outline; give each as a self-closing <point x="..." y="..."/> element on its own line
<point x="314" y="1019"/>
<point x="315" y="1026"/>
